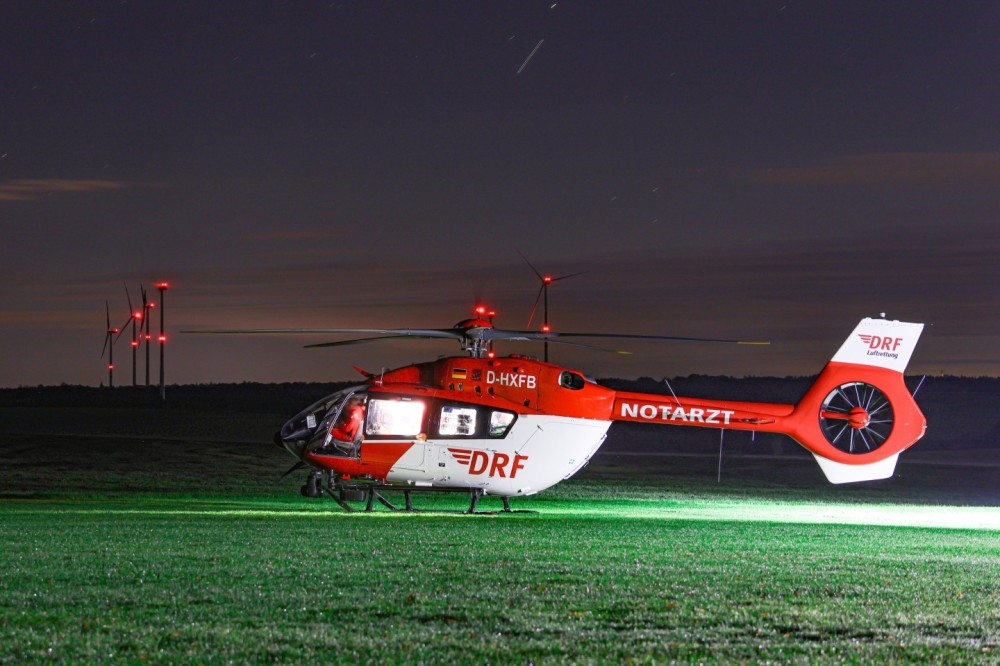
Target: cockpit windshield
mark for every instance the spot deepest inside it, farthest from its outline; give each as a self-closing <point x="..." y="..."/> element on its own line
<point x="334" y="423"/>
<point x="339" y="423"/>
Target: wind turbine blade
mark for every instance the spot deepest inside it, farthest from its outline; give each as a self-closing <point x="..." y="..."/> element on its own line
<point x="564" y="277"/>
<point x="107" y="328"/>
<point x="530" y="265"/>
<point x="534" y="308"/>
<point x="129" y="297"/>
<point x="122" y="328"/>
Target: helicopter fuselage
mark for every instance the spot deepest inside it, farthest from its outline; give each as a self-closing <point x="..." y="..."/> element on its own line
<point x="508" y="426"/>
<point x="516" y="425"/>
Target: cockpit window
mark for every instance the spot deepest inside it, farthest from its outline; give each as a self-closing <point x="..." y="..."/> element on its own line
<point x="394" y="418"/>
<point x="571" y="380"/>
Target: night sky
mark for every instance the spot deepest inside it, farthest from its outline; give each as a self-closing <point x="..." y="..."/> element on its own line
<point x="758" y="170"/>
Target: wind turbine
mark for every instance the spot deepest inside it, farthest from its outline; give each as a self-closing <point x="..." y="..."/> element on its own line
<point x="162" y="286"/>
<point x="543" y="295"/>
<point x="144" y="335"/>
<point x="109" y="345"/>
<point x="134" y="315"/>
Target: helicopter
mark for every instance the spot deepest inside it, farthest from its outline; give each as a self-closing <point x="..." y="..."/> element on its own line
<point x="513" y="426"/>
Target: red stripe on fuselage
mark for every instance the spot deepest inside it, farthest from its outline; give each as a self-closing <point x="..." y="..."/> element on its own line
<point x="377" y="458"/>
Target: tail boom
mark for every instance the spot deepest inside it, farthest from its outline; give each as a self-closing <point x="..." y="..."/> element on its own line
<point x="856" y="418"/>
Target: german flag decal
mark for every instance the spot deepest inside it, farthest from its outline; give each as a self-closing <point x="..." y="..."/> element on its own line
<point x="459" y="373"/>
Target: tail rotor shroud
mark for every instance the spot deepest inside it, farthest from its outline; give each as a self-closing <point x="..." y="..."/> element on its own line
<point x="856" y="417"/>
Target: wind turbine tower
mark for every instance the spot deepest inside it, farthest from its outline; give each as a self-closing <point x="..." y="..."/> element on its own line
<point x="162" y="286"/>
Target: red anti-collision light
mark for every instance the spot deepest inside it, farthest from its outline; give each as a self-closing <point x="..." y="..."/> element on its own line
<point x="162" y="338"/>
<point x="162" y="285"/>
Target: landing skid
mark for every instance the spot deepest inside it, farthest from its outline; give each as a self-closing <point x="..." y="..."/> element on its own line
<point x="369" y="493"/>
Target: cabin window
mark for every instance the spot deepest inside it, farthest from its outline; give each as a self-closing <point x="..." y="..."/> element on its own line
<point x="571" y="380"/>
<point x="394" y="418"/>
<point x="457" y="421"/>
<point x="500" y="423"/>
<point x="467" y="421"/>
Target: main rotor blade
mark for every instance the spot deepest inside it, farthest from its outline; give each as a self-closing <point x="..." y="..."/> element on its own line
<point x="361" y="341"/>
<point x="579" y="344"/>
<point x="453" y="333"/>
<point x="552" y="337"/>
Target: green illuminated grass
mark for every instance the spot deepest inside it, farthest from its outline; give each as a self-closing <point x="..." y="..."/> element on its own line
<point x="194" y="552"/>
<point x="274" y="579"/>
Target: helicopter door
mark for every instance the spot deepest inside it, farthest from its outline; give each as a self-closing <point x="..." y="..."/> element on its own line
<point x="391" y="420"/>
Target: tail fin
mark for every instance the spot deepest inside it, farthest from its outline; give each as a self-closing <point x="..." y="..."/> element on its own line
<point x="859" y="416"/>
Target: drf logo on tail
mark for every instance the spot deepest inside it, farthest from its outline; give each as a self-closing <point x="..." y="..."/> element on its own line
<point x="497" y="464"/>
<point x="881" y="343"/>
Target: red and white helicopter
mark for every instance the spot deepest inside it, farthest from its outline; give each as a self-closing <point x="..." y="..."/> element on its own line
<point x="513" y="426"/>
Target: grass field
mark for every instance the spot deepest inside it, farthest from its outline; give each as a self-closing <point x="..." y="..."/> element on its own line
<point x="128" y="551"/>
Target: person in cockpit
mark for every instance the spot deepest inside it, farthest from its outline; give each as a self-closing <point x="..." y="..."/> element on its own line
<point x="346" y="433"/>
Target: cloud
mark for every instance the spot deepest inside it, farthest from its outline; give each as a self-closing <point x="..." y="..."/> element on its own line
<point x="925" y="169"/>
<point x="32" y="189"/>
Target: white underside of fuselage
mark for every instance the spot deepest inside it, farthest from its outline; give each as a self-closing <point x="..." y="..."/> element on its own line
<point x="537" y="453"/>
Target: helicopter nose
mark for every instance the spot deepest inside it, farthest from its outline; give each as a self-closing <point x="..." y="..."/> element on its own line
<point x="296" y="447"/>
